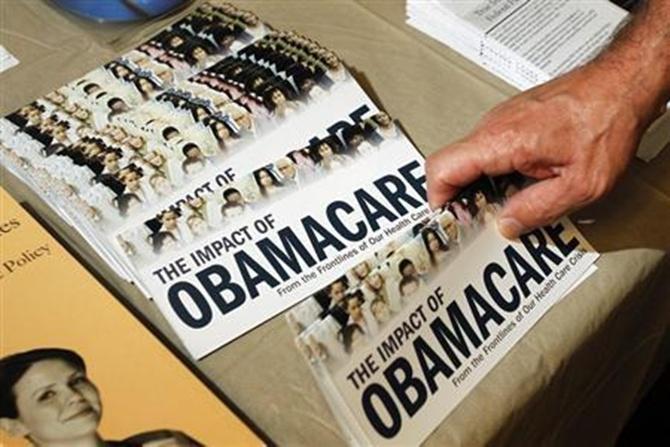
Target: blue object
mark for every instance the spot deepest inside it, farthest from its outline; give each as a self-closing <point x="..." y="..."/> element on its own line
<point x="119" y="10"/>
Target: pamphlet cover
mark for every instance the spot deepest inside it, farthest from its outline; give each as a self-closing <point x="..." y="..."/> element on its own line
<point x="74" y="363"/>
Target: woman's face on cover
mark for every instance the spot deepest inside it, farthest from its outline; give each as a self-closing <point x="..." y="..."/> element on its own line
<point x="383" y="119"/>
<point x="56" y="402"/>
<point x="117" y="134"/>
<point x="375" y="281"/>
<point x="362" y="270"/>
<point x="199" y="54"/>
<point x="59" y="134"/>
<point x="197" y="226"/>
<point x="132" y="181"/>
<point x="332" y="61"/>
<point x="111" y="160"/>
<point x="155" y="159"/>
<point x="278" y="97"/>
<point x="354" y="309"/>
<point x="145" y="85"/>
<point x="136" y="142"/>
<point x="325" y="151"/>
<point x="196" y="202"/>
<point x="337" y="291"/>
<point x="81" y="114"/>
<point x="409" y="270"/>
<point x="244" y="121"/>
<point x="381" y="311"/>
<point x="34" y="116"/>
<point x="264" y="178"/>
<point x="286" y="168"/>
<point x="69" y="108"/>
<point x="175" y="41"/>
<point x="121" y="71"/>
<point x="169" y="221"/>
<point x="409" y="288"/>
<point x="200" y="113"/>
<point x="165" y="75"/>
<point x="451" y="228"/>
<point x="222" y="131"/>
<point x="432" y="242"/>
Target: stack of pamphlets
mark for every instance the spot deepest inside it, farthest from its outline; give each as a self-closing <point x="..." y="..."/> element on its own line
<point x="529" y="42"/>
<point x="232" y="171"/>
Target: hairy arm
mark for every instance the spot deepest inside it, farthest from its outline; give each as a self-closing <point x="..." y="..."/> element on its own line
<point x="575" y="134"/>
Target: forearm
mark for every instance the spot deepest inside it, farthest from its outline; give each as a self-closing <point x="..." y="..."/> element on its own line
<point x="636" y="67"/>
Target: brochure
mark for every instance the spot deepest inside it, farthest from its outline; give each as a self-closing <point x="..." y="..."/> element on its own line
<point x="68" y="345"/>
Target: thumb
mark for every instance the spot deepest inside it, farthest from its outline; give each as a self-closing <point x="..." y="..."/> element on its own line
<point x="538" y="204"/>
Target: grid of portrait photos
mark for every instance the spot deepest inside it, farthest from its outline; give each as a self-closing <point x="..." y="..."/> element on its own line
<point x="136" y="135"/>
<point x="204" y="213"/>
<point x="344" y="316"/>
<point x="138" y="128"/>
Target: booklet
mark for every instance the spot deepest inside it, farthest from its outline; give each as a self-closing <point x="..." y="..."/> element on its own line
<point x="185" y="160"/>
<point x="67" y="344"/>
<point x="397" y="342"/>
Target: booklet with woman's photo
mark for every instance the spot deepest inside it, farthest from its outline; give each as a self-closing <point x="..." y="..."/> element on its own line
<point x="77" y="367"/>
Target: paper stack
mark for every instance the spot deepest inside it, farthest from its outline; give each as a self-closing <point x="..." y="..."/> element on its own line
<point x="529" y="42"/>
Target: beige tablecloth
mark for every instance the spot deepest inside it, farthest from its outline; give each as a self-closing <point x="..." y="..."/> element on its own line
<point x="574" y="379"/>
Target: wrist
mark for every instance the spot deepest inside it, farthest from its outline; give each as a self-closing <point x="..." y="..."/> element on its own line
<point x="635" y="69"/>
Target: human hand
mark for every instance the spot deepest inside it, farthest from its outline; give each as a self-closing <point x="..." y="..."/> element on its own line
<point x="575" y="135"/>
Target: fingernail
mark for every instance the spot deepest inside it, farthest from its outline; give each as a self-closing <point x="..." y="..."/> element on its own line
<point x="510" y="228"/>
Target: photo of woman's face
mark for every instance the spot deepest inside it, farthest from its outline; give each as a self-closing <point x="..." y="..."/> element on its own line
<point x="264" y="178"/>
<point x="362" y="270"/>
<point x="145" y="85"/>
<point x="199" y="54"/>
<point x="337" y="291"/>
<point x="56" y="402"/>
<point x="175" y="41"/>
<point x="433" y="242"/>
<point x="132" y="181"/>
<point x="155" y="159"/>
<point x="222" y="131"/>
<point x="278" y="98"/>
<point x="375" y="281"/>
<point x="450" y="228"/>
<point x="136" y="142"/>
<point x="325" y="151"/>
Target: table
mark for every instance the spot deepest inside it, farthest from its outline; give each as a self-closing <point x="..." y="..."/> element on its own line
<point x="575" y="377"/>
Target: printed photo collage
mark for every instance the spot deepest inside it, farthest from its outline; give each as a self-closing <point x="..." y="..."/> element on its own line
<point x="199" y="214"/>
<point x="342" y="317"/>
<point x="75" y="133"/>
<point x="130" y="136"/>
<point x="119" y="152"/>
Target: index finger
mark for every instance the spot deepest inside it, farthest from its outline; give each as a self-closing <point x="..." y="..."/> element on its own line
<point x="458" y="165"/>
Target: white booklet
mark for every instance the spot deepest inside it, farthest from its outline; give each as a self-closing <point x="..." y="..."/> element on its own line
<point x="399" y="340"/>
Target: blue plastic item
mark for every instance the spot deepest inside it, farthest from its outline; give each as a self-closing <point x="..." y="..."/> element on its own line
<point x="119" y="10"/>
